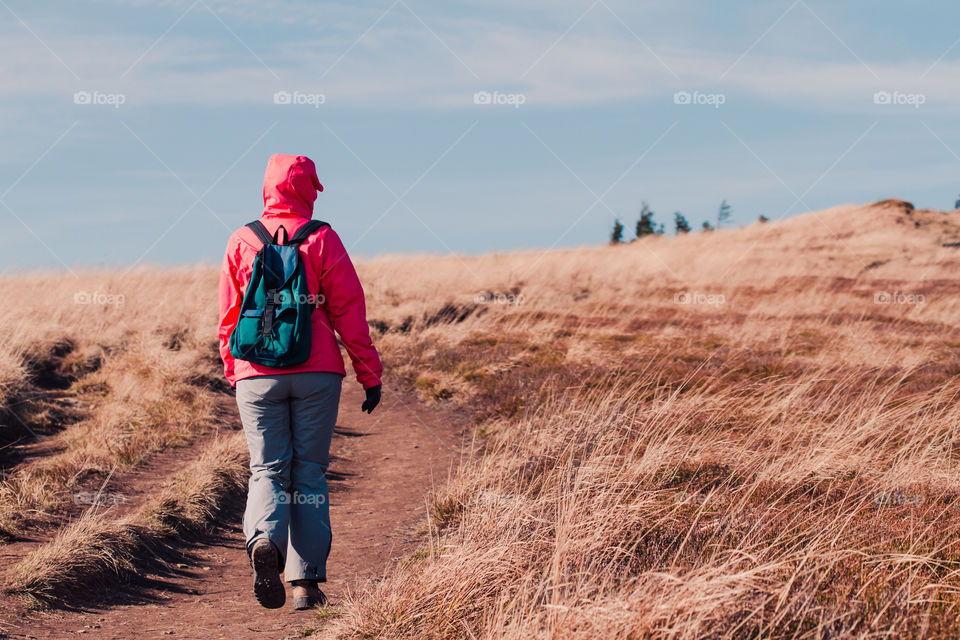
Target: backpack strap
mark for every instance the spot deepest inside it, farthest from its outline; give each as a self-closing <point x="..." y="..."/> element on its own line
<point x="306" y="230"/>
<point x="261" y="232"/>
<point x="276" y="235"/>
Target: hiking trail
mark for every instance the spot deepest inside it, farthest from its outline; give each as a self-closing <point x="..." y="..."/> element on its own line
<point x="382" y="467"/>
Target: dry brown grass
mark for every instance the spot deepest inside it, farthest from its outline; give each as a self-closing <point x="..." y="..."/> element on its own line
<point x="128" y="378"/>
<point x="108" y="370"/>
<point x="97" y="550"/>
<point x="781" y="465"/>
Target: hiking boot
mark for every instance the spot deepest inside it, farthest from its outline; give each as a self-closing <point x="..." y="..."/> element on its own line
<point x="307" y="595"/>
<point x="267" y="586"/>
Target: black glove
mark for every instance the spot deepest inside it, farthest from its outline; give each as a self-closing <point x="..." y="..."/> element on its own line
<point x="373" y="399"/>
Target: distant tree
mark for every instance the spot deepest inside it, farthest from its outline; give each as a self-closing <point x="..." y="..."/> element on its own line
<point x="763" y="219"/>
<point x="680" y="223"/>
<point x="707" y="226"/>
<point x="616" y="236"/>
<point x="645" y="225"/>
<point x="723" y="213"/>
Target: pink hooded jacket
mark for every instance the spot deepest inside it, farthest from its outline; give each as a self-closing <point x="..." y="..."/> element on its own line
<point x="290" y="187"/>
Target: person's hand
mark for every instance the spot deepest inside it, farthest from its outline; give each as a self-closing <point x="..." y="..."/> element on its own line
<point x="373" y="399"/>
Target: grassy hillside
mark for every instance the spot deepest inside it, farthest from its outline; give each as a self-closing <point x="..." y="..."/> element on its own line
<point x="738" y="434"/>
<point x="104" y="374"/>
<point x="741" y="434"/>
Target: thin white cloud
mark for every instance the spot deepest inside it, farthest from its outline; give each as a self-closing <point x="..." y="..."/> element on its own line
<point x="400" y="63"/>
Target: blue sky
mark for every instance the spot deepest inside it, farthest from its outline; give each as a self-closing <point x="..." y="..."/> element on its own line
<point x="820" y="103"/>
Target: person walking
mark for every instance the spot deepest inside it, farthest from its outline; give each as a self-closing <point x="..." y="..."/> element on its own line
<point x="287" y="289"/>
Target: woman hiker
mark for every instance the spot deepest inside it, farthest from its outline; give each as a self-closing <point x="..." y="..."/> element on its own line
<point x="287" y="287"/>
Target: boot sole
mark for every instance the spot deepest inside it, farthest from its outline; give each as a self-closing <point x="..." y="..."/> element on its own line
<point x="267" y="586"/>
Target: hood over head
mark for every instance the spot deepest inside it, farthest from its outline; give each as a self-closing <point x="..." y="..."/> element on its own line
<point x="290" y="186"/>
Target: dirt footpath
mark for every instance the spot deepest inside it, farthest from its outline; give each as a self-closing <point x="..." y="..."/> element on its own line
<point x="382" y="467"/>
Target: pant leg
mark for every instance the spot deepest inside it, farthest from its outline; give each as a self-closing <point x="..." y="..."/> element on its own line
<point x="264" y="404"/>
<point x="315" y="401"/>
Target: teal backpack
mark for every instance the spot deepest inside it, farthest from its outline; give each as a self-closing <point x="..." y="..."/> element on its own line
<point x="274" y="324"/>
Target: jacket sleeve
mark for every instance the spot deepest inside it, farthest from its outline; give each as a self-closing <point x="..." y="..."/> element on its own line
<point x="230" y="297"/>
<point x="345" y="306"/>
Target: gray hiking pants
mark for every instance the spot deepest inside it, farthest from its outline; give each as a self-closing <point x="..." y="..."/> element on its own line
<point x="288" y="420"/>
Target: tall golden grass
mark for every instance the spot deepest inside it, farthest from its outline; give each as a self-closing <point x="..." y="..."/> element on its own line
<point x="738" y="434"/>
<point x="107" y="370"/>
<point x="741" y="434"/>
<point x="100" y="549"/>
